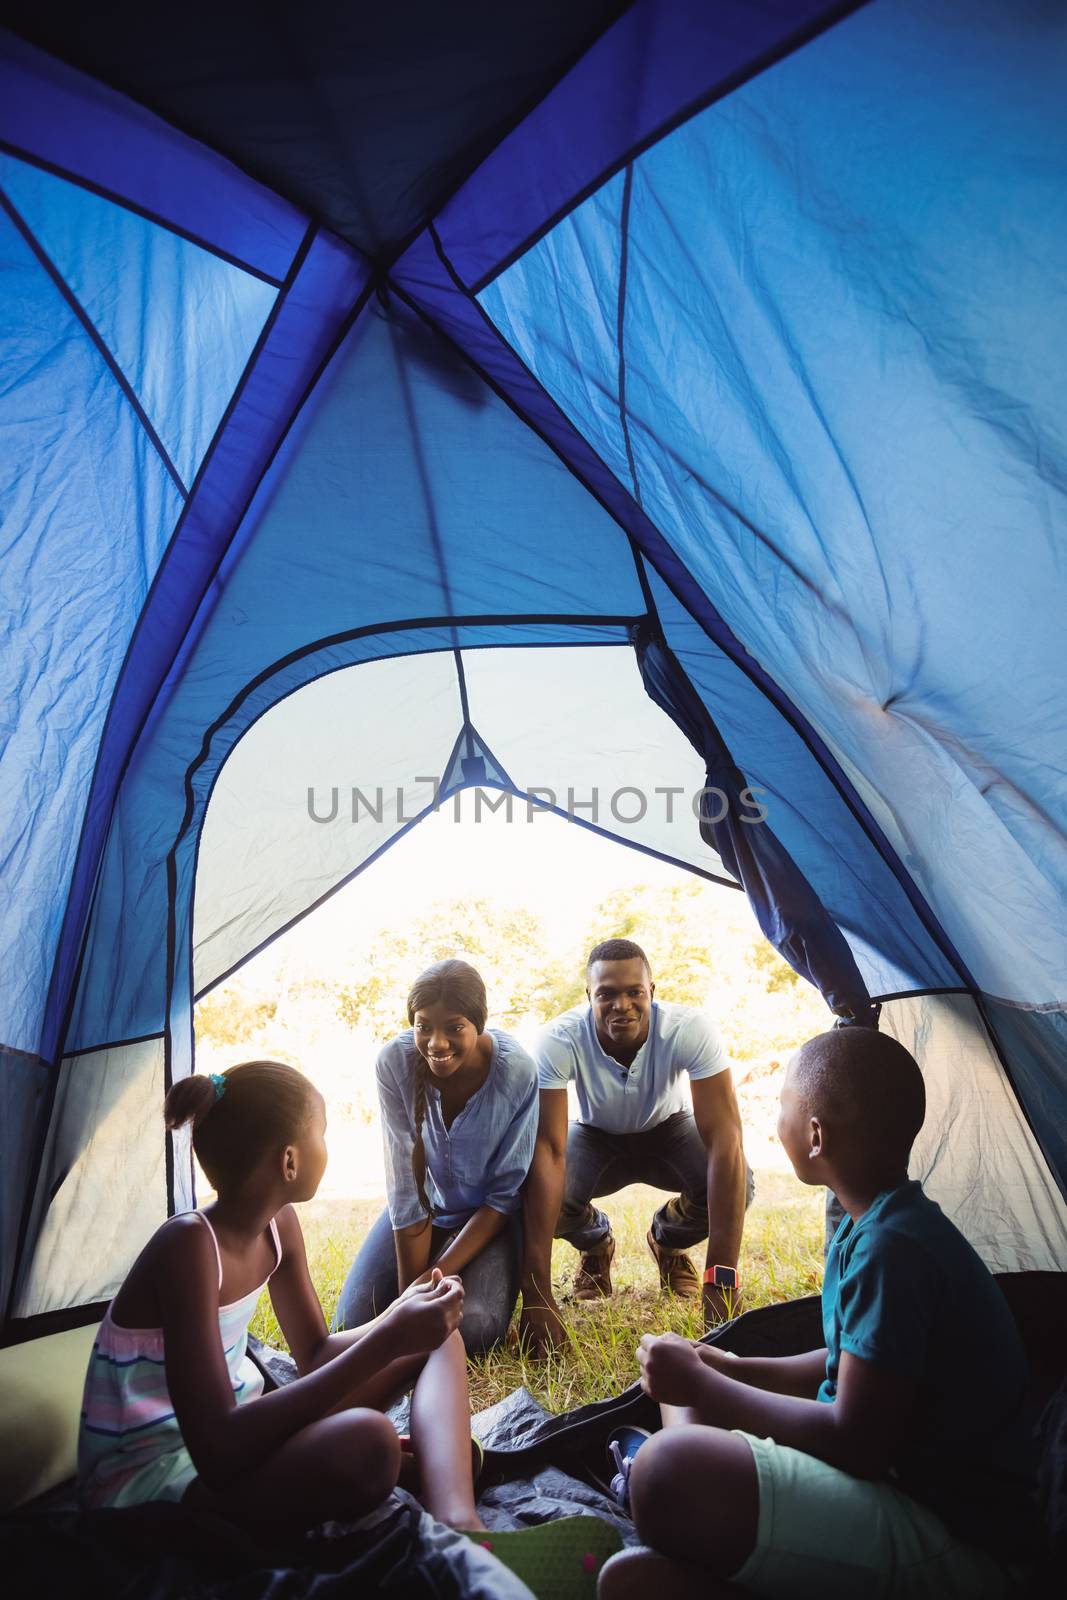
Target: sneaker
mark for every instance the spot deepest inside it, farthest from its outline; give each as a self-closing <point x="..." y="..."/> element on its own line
<point x="593" y="1280"/>
<point x="623" y="1445"/>
<point x="676" y="1272"/>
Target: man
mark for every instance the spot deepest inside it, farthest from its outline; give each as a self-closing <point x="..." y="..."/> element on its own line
<point x="628" y="1055"/>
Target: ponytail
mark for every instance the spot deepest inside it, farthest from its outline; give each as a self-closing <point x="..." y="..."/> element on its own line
<point x="238" y="1114"/>
<point x="189" y="1100"/>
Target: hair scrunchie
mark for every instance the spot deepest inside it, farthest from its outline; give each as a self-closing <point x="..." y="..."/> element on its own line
<point x="220" y="1084"/>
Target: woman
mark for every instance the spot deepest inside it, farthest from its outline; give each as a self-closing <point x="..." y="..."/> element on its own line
<point x="459" y="1120"/>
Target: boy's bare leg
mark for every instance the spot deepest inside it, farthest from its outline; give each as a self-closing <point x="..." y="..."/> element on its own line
<point x="441" y="1436"/>
<point x="694" y="1496"/>
<point x="635" y="1574"/>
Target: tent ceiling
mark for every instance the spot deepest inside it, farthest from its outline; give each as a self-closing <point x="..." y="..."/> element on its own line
<point x="367" y="117"/>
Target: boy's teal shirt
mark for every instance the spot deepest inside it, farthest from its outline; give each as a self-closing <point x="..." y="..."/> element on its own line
<point x="905" y="1291"/>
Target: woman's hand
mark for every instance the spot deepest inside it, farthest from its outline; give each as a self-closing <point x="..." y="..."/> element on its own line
<point x="671" y="1370"/>
<point x="425" y="1314"/>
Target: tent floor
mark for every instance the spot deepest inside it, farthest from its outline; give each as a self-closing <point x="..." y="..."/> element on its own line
<point x="538" y="1467"/>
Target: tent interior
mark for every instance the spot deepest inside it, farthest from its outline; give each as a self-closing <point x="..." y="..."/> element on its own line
<point x="378" y="416"/>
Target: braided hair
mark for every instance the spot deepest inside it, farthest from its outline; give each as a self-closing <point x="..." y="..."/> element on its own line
<point x="457" y="985"/>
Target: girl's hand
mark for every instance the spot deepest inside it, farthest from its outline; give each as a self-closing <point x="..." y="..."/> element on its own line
<point x="422" y="1284"/>
<point x="671" y="1370"/>
<point x="421" y="1321"/>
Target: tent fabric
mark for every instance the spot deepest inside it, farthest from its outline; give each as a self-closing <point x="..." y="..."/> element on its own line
<point x="64" y="123"/>
<point x="361" y="790"/>
<point x="787" y="909"/>
<point x="103" y="1141"/>
<point x="976" y="1154"/>
<point x="812" y="818"/>
<point x="663" y="62"/>
<point x="365" y="118"/>
<point x="433" y="428"/>
<point x="325" y="284"/>
<point x="779" y="467"/>
<point x="178" y="322"/>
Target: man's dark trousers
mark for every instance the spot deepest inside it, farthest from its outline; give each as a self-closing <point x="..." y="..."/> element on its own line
<point x="671" y="1155"/>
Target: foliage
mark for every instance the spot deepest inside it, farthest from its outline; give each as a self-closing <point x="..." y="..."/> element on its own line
<point x="698" y="958"/>
<point x="778" y="975"/>
<point x="505" y="943"/>
<point x="229" y="1016"/>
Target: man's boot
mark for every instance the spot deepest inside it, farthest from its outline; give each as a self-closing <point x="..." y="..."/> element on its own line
<point x="593" y="1280"/>
<point x="676" y="1272"/>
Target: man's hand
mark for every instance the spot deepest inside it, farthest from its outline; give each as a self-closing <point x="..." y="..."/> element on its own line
<point x="671" y="1371"/>
<point x="424" y="1316"/>
<point x="541" y="1328"/>
<point x="720" y="1305"/>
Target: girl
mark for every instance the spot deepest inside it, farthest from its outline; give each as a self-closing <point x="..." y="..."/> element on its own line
<point x="173" y="1408"/>
<point x="459" y="1119"/>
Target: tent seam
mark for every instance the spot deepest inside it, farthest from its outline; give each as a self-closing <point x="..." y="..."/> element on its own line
<point x="197" y="995"/>
<point x="299" y="258"/>
<point x="136" y="209"/>
<point x="728" y="643"/>
<point x="48" y="265"/>
<point x="269" y="324"/>
<point x="722" y="89"/>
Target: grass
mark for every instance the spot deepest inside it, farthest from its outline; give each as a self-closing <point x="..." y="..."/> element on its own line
<point x="781" y="1259"/>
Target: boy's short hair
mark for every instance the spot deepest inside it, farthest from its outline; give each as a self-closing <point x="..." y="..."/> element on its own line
<point x="866" y="1081"/>
<point x="617" y="950"/>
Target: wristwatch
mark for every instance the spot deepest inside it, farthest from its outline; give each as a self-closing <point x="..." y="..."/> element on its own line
<point x="723" y="1277"/>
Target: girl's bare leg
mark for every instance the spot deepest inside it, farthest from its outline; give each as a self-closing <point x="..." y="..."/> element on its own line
<point x="384" y="1387"/>
<point x="441" y="1434"/>
<point x="338" y="1468"/>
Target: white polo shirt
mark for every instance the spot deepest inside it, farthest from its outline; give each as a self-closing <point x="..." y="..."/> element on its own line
<point x="681" y="1044"/>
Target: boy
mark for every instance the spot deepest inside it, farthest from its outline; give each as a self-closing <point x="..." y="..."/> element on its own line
<point x="896" y="1461"/>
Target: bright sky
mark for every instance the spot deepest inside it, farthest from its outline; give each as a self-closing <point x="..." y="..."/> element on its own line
<point x="557" y="869"/>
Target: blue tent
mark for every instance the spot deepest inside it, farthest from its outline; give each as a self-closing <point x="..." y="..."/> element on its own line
<point x="648" y="399"/>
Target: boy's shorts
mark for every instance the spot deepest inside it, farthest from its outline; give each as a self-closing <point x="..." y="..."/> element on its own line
<point x="823" y="1533"/>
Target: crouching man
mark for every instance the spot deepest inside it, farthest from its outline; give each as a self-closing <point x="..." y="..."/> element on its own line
<point x="628" y="1056"/>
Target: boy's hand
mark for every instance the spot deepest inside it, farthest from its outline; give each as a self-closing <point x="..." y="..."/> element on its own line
<point x="671" y="1370"/>
<point x="422" y="1320"/>
<point x="712" y="1356"/>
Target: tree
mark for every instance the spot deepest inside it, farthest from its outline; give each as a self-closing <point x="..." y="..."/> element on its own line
<point x="505" y="944"/>
<point x="778" y="976"/>
<point x="229" y="1016"/>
